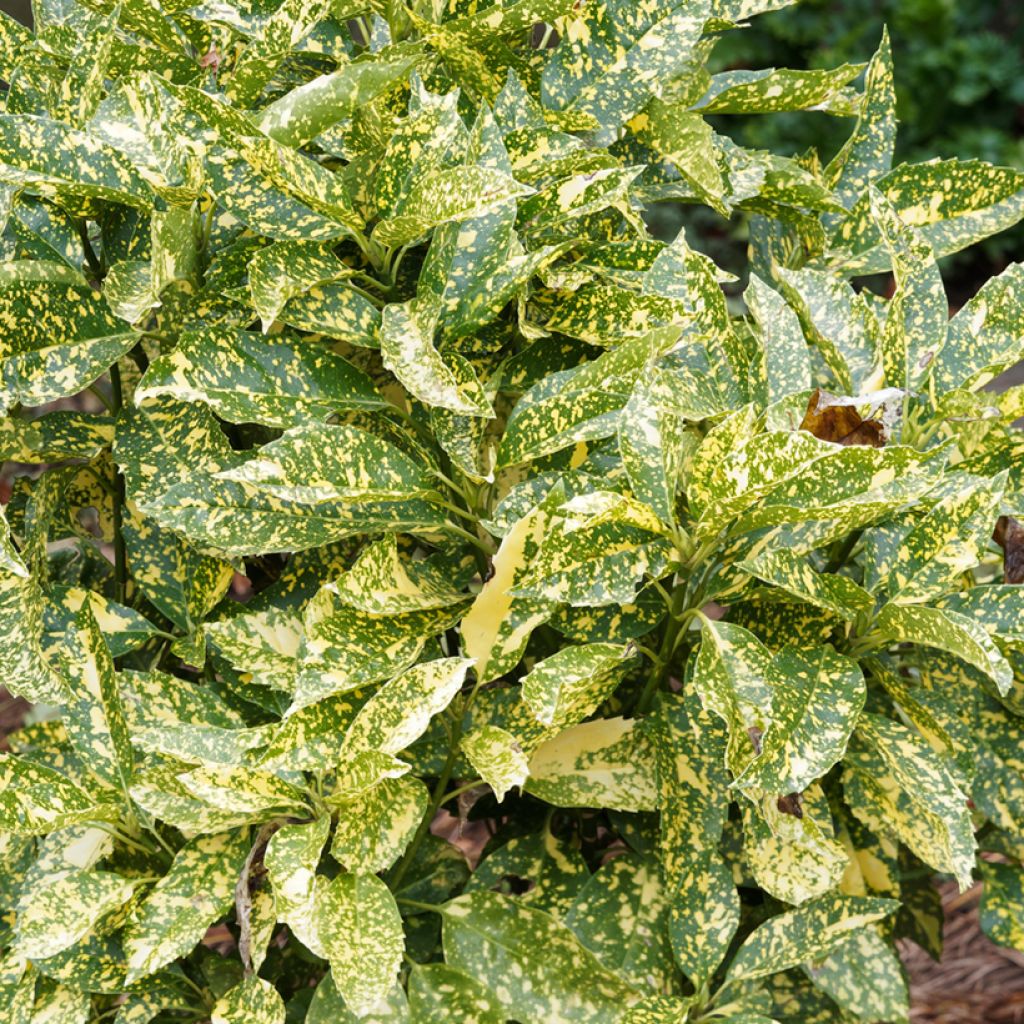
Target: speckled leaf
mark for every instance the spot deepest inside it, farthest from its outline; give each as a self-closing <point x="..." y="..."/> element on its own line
<point x="816" y="696"/>
<point x="334" y="310"/>
<point x="284" y="270"/>
<point x="651" y="442"/>
<point x="666" y="1010"/>
<point x="947" y="542"/>
<point x="578" y="196"/>
<point x="806" y="934"/>
<point x="239" y="374"/>
<point x="895" y="782"/>
<point x="375" y="828"/>
<point x="553" y="868"/>
<point x="786" y="357"/>
<point x="867" y="153"/>
<point x="534" y="966"/>
<point x="865" y="977"/>
<point x="1002" y="904"/>
<point x="948" y="631"/>
<point x="328" y="1007"/>
<point x="59" y="337"/>
<point x="122" y="627"/>
<point x="244" y="790"/>
<point x="291" y="859"/>
<point x="264" y="643"/>
<point x="21" y="634"/>
<point x="985" y="336"/>
<point x="849" y="487"/>
<point x="704" y="909"/>
<point x="95" y="716"/>
<point x="795" y="859"/>
<point x="253" y="1001"/>
<point x="731" y="678"/>
<point x="997" y="608"/>
<point x="174" y="916"/>
<point x="438" y="992"/>
<point x="400" y="711"/>
<point x="35" y="799"/>
<point x="380" y="582"/>
<point x="597" y="563"/>
<point x="407" y="347"/>
<point x="498" y="624"/>
<point x="279" y="34"/>
<point x="46" y="157"/>
<point x="687" y="142"/>
<point x="497" y="756"/>
<point x="358" y="923"/>
<point x="566" y="687"/>
<point x="798" y="577"/>
<point x="60" y="1004"/>
<point x="243" y="519"/>
<point x="308" y="739"/>
<point x="65" y="908"/>
<point x="446" y="195"/>
<point x="950" y="203"/>
<point x="620" y="916"/>
<point x="62" y="434"/>
<point x="604" y="763"/>
<point x="837" y="320"/>
<point x="333" y="462"/>
<point x="616" y="56"/>
<point x="345" y="648"/>
<point x="184" y="583"/>
<point x="311" y="108"/>
<point x="915" y="326"/>
<point x="580" y="404"/>
<point x="603" y="314"/>
<point x="776" y="89"/>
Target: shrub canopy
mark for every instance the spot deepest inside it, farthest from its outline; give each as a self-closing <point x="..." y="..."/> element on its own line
<point x="701" y="616"/>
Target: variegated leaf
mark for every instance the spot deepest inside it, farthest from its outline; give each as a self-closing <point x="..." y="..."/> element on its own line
<point x="175" y="914"/>
<point x="359" y="927"/>
<point x="806" y="934"/>
<point x="534" y="966"/>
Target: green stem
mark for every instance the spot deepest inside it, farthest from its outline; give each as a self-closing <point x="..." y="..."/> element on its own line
<point x="436" y="800"/>
<point x="98" y="392"/>
<point x="439" y="795"/>
<point x="660" y="669"/>
<point x="476" y="784"/>
<point x="427" y="908"/>
<point x="839" y="559"/>
<point x="460" y="512"/>
<point x="90" y="254"/>
<point x="469" y="537"/>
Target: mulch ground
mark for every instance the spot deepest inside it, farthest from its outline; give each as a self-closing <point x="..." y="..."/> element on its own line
<point x="977" y="982"/>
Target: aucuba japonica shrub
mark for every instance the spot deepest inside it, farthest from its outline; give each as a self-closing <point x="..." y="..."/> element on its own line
<point x="694" y="617"/>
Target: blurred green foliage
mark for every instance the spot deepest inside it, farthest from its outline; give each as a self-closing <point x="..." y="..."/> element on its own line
<point x="959" y="81"/>
<point x="958" y="72"/>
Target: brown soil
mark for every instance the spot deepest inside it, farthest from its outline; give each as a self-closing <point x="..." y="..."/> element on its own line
<point x="977" y="982"/>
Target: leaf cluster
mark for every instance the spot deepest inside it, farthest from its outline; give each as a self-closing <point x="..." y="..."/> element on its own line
<point x="461" y="607"/>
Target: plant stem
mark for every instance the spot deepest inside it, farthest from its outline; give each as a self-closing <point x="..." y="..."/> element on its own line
<point x="660" y="669"/>
<point x="90" y="254"/>
<point x="427" y="908"/>
<point x="436" y="800"/>
<point x="98" y="392"/>
<point x="838" y="560"/>
<point x="476" y="784"/>
<point x="470" y="537"/>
